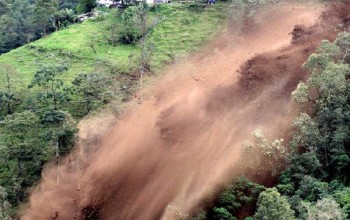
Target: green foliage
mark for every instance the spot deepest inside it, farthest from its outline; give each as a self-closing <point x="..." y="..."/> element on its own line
<point x="23" y="21"/>
<point x="3" y="7"/>
<point x="272" y="153"/>
<point x="324" y="209"/>
<point x="271" y="205"/>
<point x="200" y="216"/>
<point x="343" y="42"/>
<point x="130" y="21"/>
<point x="4" y="205"/>
<point x="93" y="89"/>
<point x="47" y="78"/>
<point x="222" y="213"/>
<point x="9" y="99"/>
<point x="73" y="45"/>
<point x="329" y="49"/>
<point x="320" y="160"/>
<point x="241" y="193"/>
<point x="328" y="132"/>
<point x="86" y="6"/>
<point x="27" y="141"/>
<point x="64" y="17"/>
<point x="17" y="26"/>
<point x="44" y="10"/>
<point x="60" y="130"/>
<point x="342" y="196"/>
<point x="306" y="133"/>
<point x="68" y="4"/>
<point x="300" y="94"/>
<point x="311" y="189"/>
<point x="22" y="154"/>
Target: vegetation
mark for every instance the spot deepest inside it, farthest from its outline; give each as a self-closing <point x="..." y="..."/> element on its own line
<point x="23" y="21"/>
<point x="271" y="205"/>
<point x="240" y="194"/>
<point x="85" y="6"/>
<point x="315" y="183"/>
<point x="47" y="84"/>
<point x="319" y="162"/>
<point x="4" y="205"/>
<point x="87" y="48"/>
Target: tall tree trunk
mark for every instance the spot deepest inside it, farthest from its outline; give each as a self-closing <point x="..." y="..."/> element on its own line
<point x="44" y="29"/>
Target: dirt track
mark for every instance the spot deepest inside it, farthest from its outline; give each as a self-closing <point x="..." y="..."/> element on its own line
<point x="174" y="150"/>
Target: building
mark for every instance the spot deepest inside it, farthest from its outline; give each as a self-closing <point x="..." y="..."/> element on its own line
<point x="108" y="3"/>
<point x="105" y="3"/>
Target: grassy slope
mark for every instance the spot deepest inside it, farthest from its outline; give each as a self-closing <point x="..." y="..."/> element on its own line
<point x="181" y="32"/>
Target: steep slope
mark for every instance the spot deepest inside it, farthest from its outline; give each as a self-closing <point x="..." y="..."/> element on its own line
<point x="165" y="156"/>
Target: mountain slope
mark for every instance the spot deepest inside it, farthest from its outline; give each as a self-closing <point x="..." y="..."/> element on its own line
<point x="181" y="32"/>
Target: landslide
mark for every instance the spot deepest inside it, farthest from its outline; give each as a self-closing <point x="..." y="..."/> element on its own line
<point x="182" y="143"/>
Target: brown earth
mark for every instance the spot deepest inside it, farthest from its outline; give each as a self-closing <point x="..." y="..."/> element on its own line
<point x="175" y="150"/>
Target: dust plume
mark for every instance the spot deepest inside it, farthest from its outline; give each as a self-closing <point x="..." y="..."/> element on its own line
<point x="164" y="157"/>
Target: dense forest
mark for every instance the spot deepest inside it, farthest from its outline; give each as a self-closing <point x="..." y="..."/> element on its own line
<point x="24" y="21"/>
<point x="40" y="105"/>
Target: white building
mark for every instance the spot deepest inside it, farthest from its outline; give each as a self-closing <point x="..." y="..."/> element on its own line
<point x="106" y="3"/>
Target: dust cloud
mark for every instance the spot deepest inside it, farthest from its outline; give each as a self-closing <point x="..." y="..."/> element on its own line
<point x="165" y="156"/>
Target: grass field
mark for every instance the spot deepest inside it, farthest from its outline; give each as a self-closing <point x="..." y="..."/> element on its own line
<point x="182" y="31"/>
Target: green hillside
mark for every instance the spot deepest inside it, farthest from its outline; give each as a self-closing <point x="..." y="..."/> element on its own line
<point x="182" y="30"/>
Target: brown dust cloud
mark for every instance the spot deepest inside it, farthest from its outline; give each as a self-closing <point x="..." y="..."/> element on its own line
<point x="176" y="148"/>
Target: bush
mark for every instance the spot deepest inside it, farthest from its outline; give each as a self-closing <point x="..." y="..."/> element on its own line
<point x="271" y="205"/>
<point x="130" y="32"/>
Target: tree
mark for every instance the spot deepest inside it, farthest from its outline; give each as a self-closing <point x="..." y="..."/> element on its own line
<point x="320" y="160"/>
<point x="8" y="99"/>
<point x="63" y="18"/>
<point x="271" y="205"/>
<point x="3" y="7"/>
<point x="222" y="214"/>
<point x="324" y="209"/>
<point x="68" y="4"/>
<point x="130" y="32"/>
<point x="269" y="153"/>
<point x="311" y="189"/>
<point x="327" y="90"/>
<point x="60" y="131"/>
<point x="146" y="49"/>
<point x="22" y="154"/>
<point x="44" y="11"/>
<point x="239" y="195"/>
<point x="86" y="6"/>
<point x="136" y="26"/>
<point x="48" y="77"/>
<point x="4" y="205"/>
<point x="17" y="26"/>
<point x="92" y="88"/>
<point x="300" y="94"/>
<point x="343" y="42"/>
<point x="342" y="196"/>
